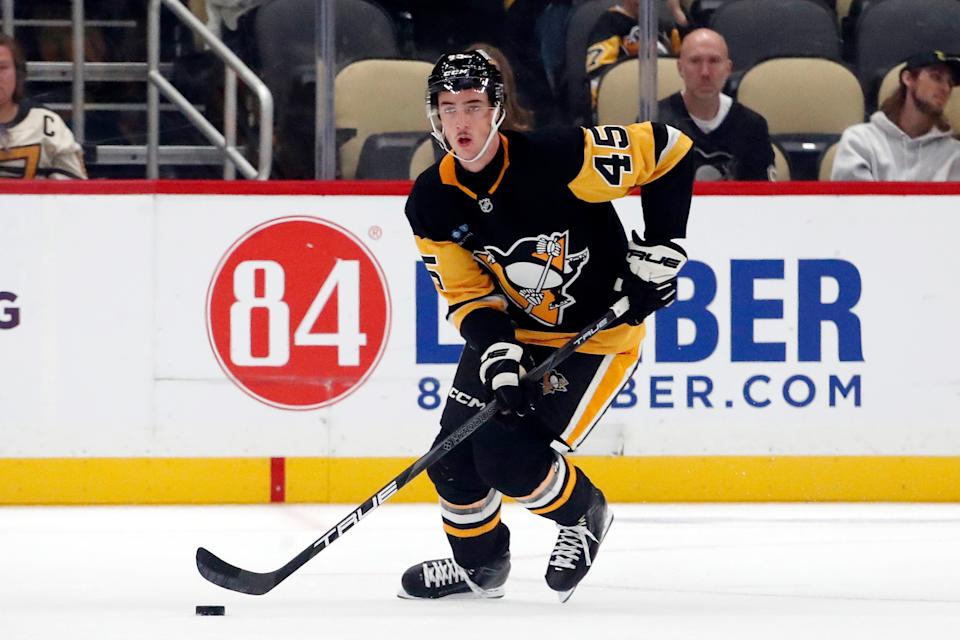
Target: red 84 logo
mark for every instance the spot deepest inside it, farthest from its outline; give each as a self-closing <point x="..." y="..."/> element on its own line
<point x="298" y="313"/>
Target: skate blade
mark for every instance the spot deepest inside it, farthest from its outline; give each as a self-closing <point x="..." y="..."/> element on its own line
<point x="565" y="595"/>
<point x="487" y="594"/>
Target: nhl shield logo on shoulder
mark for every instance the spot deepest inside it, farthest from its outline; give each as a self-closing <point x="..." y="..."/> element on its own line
<point x="486" y="205"/>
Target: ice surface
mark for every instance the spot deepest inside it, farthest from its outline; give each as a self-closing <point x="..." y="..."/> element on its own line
<point x="665" y="571"/>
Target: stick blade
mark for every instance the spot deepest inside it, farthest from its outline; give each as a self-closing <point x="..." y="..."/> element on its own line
<point x="224" y="574"/>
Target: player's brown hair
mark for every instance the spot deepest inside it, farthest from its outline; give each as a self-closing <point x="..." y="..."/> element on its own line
<point x="19" y="63"/>
<point x="517" y="118"/>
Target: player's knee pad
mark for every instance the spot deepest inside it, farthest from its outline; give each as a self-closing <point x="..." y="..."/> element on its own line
<point x="514" y="461"/>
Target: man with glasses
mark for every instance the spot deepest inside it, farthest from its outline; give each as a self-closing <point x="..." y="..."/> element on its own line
<point x="518" y="232"/>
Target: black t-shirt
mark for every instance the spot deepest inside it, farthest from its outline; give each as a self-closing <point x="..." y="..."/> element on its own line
<point x="739" y="149"/>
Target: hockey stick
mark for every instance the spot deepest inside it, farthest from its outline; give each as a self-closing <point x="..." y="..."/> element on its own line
<point x="234" y="578"/>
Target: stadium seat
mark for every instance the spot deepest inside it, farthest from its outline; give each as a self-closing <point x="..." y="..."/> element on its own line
<point x="618" y="97"/>
<point x="423" y="157"/>
<point x="389" y="156"/>
<point x="826" y="162"/>
<point x="803" y="95"/>
<point x="889" y="31"/>
<point x="378" y="96"/>
<point x="285" y="32"/>
<point x="780" y="163"/>
<point x="582" y="19"/>
<point x="892" y="80"/>
<point x="759" y="29"/>
<point x="807" y="103"/>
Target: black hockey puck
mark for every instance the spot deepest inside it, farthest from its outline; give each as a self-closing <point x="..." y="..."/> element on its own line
<point x="211" y="610"/>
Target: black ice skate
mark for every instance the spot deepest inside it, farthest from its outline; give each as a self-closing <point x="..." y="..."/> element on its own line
<point x="577" y="547"/>
<point x="445" y="578"/>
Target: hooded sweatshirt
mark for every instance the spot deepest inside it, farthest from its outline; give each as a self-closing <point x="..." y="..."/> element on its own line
<point x="880" y="150"/>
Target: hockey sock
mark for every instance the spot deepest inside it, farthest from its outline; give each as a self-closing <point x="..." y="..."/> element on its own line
<point x="475" y="532"/>
<point x="566" y="497"/>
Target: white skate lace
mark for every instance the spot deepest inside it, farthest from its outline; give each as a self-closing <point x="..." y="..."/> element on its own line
<point x="442" y="572"/>
<point x="571" y="542"/>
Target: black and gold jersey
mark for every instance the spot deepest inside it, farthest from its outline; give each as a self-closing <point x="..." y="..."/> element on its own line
<point x="616" y="37"/>
<point x="534" y="234"/>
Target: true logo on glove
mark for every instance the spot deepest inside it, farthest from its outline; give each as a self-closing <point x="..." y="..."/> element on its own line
<point x="666" y="261"/>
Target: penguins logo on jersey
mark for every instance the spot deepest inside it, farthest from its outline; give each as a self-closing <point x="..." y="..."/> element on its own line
<point x="536" y="272"/>
<point x="554" y="382"/>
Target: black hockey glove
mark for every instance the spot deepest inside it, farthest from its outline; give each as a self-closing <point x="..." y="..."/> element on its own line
<point x="650" y="279"/>
<point x="502" y="367"/>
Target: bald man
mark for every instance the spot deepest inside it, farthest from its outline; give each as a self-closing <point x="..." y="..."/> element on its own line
<point x="731" y="141"/>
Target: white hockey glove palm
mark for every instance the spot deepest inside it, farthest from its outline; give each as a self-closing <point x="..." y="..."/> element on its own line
<point x="502" y="367"/>
<point x="650" y="280"/>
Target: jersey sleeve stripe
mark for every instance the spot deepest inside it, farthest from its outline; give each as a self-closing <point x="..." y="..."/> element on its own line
<point x="675" y="148"/>
<point x="457" y="313"/>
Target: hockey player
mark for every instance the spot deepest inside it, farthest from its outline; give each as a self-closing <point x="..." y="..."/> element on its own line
<point x="521" y="240"/>
<point x="34" y="142"/>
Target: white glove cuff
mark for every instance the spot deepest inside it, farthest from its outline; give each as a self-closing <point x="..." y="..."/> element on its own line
<point x="496" y="352"/>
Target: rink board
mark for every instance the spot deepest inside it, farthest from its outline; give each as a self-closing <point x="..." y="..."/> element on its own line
<point x="811" y="355"/>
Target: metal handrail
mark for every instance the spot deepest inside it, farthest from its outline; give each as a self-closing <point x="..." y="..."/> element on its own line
<point x="7" y="8"/>
<point x="93" y="71"/>
<point x="79" y="115"/>
<point x="156" y="84"/>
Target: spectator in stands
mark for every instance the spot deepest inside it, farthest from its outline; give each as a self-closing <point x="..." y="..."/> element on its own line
<point x="233" y="21"/>
<point x="616" y="37"/>
<point x="517" y="118"/>
<point x="533" y="33"/>
<point x="34" y="142"/>
<point x="908" y="138"/>
<point x="731" y="141"/>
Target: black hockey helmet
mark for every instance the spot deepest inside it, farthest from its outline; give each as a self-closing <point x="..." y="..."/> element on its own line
<point x="460" y="71"/>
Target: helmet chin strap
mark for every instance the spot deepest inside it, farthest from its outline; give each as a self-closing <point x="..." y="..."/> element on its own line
<point x="495" y="120"/>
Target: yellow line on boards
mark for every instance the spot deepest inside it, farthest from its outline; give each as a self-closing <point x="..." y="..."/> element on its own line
<point x="134" y="480"/>
<point x="80" y="481"/>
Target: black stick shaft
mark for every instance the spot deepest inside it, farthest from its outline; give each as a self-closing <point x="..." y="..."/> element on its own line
<point x="234" y="578"/>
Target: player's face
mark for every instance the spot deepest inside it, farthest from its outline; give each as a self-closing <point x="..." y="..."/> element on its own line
<point x="930" y="89"/>
<point x="466" y="117"/>
<point x="8" y="77"/>
<point x="704" y="65"/>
